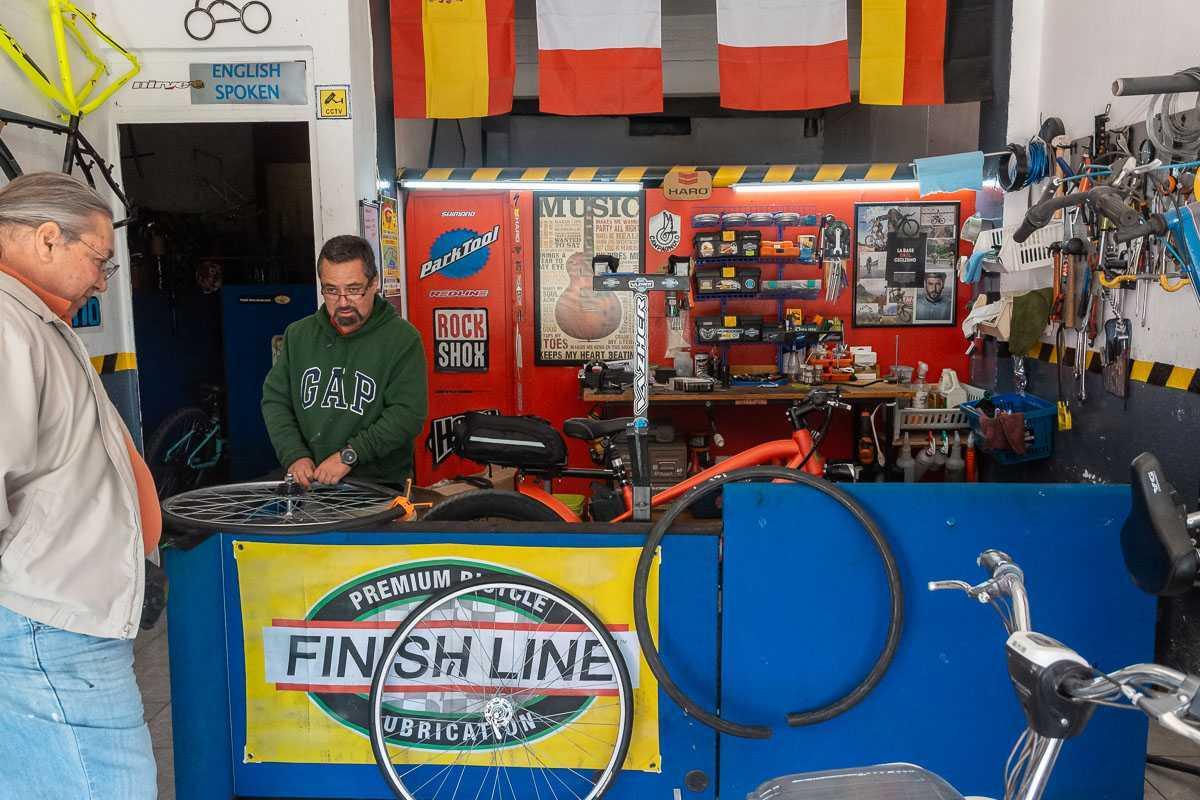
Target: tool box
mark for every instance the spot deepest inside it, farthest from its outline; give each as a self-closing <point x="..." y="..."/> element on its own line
<point x="728" y="280"/>
<point x="729" y="328"/>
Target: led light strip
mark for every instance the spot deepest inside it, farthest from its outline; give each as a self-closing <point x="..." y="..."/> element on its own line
<point x="824" y="186"/>
<point x="542" y="186"/>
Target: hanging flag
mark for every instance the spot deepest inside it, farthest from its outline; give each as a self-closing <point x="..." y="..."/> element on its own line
<point x="452" y="59"/>
<point x="925" y="52"/>
<point x="600" y="57"/>
<point x="783" y="55"/>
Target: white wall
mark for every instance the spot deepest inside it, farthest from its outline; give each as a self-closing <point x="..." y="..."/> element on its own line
<point x="1065" y="56"/>
<point x="332" y="37"/>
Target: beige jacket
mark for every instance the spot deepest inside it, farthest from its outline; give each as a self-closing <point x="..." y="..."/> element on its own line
<point x="71" y="553"/>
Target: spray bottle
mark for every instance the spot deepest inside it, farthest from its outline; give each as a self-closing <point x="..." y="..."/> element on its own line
<point x="905" y="460"/>
<point x="955" y="465"/>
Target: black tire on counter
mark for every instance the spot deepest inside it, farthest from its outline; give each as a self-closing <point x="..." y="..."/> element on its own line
<point x="794" y="718"/>
<point x="482" y="504"/>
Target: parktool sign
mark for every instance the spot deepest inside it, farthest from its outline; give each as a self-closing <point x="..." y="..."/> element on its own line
<point x="258" y="83"/>
<point x="460" y="253"/>
<point x="316" y="619"/>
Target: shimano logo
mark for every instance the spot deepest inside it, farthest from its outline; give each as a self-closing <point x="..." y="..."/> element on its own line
<point x="458" y="213"/>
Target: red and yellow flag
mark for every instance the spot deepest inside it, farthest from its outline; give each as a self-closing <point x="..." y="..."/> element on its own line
<point x="452" y="59"/>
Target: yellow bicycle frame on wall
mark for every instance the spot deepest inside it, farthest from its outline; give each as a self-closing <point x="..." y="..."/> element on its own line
<point x="73" y="102"/>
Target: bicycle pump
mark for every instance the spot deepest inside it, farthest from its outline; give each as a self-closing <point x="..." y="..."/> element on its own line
<point x="610" y="280"/>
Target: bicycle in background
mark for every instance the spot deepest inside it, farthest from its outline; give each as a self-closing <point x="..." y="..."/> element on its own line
<point x="187" y="446"/>
<point x="536" y="449"/>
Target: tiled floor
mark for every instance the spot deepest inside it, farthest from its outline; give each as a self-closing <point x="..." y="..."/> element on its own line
<point x="153" y="673"/>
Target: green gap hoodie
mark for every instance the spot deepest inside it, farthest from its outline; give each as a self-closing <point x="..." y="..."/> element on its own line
<point x="366" y="389"/>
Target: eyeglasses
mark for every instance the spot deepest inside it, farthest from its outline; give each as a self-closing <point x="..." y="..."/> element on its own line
<point x="107" y="266"/>
<point x="350" y="292"/>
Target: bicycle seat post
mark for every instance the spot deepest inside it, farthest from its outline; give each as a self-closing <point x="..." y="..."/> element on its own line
<point x="641" y="285"/>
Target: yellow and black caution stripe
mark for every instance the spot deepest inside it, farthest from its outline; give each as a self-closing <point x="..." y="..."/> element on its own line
<point x="1154" y="373"/>
<point x="652" y="177"/>
<point x="114" y="362"/>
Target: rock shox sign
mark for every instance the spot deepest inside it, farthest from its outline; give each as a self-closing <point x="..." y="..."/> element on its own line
<point x="460" y="339"/>
<point x="460" y="253"/>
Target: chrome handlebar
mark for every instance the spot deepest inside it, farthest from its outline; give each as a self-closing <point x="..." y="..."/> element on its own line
<point x="1177" y="696"/>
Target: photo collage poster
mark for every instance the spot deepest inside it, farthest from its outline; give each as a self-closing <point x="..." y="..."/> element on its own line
<point x="905" y="258"/>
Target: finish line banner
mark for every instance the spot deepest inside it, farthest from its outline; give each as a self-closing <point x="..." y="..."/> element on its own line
<point x="316" y="619"/>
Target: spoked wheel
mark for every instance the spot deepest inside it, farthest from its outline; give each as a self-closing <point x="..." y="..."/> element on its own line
<point x="281" y="507"/>
<point x="501" y="687"/>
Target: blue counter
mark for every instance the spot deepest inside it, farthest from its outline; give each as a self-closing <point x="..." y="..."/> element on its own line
<point x="804" y="612"/>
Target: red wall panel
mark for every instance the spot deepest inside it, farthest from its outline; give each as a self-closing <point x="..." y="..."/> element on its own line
<point x="553" y="392"/>
<point x="459" y="277"/>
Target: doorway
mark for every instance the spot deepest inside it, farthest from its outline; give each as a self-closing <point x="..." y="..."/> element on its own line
<point x="222" y="259"/>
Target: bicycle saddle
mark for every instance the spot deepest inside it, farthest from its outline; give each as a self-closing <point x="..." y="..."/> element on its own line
<point x="880" y="782"/>
<point x="1159" y="552"/>
<point x="588" y="428"/>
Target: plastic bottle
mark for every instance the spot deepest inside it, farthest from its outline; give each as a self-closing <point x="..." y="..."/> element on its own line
<point x="939" y="454"/>
<point x="905" y="460"/>
<point x="955" y="465"/>
<point x="924" y="461"/>
<point x="969" y="458"/>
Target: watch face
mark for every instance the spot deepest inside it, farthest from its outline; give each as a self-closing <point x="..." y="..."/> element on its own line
<point x="349" y="456"/>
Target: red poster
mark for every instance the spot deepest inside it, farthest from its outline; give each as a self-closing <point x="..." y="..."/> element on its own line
<point x="459" y="257"/>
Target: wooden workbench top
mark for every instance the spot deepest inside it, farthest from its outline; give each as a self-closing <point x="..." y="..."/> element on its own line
<point x="755" y="395"/>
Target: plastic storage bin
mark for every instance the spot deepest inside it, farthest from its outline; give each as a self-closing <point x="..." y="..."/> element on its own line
<point x="1040" y="417"/>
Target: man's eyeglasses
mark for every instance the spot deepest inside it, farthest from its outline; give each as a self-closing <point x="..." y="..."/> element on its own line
<point x="351" y="292"/>
<point x="107" y="266"/>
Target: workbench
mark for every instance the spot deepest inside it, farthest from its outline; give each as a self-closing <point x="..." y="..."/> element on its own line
<point x="755" y="395"/>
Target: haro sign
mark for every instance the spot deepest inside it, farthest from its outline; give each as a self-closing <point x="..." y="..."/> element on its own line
<point x="514" y="641"/>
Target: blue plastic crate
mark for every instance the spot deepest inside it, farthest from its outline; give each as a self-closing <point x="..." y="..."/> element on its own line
<point x="1040" y="417"/>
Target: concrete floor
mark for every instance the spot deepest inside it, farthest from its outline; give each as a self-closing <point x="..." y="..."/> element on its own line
<point x="153" y="673"/>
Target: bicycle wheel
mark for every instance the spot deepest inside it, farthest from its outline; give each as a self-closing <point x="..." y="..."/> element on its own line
<point x="794" y="718"/>
<point x="170" y="469"/>
<point x="199" y="24"/>
<point x="281" y="507"/>
<point x="528" y="696"/>
<point x="487" y="504"/>
<point x="256" y="16"/>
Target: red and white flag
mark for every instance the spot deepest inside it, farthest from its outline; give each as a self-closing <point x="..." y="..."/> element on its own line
<point x="600" y="57"/>
<point x="783" y="55"/>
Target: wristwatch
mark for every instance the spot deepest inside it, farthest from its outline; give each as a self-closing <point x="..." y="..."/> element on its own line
<point x="349" y="456"/>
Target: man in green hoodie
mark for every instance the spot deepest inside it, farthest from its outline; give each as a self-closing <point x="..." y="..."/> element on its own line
<point x="348" y="393"/>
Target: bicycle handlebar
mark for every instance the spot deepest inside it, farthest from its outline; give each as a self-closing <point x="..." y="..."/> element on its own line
<point x="1178" y="695"/>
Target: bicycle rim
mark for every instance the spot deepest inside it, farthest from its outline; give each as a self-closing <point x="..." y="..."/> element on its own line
<point x="529" y="699"/>
<point x="266" y="507"/>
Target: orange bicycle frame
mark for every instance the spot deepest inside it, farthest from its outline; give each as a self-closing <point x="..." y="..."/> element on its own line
<point x="788" y="452"/>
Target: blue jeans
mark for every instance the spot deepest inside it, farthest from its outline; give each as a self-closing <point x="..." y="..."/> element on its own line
<point x="71" y="723"/>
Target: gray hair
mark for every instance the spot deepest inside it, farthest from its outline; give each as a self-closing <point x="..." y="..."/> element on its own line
<point x="37" y="198"/>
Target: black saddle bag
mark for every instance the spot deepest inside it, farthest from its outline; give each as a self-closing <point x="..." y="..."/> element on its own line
<point x="521" y="442"/>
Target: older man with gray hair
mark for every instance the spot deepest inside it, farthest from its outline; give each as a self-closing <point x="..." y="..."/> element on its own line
<point x="78" y="514"/>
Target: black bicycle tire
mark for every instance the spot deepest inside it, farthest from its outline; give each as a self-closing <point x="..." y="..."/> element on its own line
<point x="479" y="504"/>
<point x="242" y="16"/>
<point x="796" y="718"/>
<point x="379" y="676"/>
<point x="165" y="435"/>
<point x="186" y="524"/>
